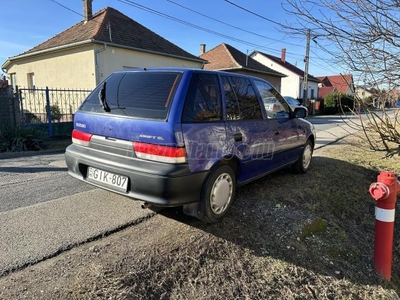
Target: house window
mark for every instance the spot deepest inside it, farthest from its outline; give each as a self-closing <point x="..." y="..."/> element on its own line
<point x="312" y="93"/>
<point x="31" y="80"/>
<point x="13" y="77"/>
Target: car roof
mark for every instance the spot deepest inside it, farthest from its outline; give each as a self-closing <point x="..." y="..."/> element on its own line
<point x="187" y="70"/>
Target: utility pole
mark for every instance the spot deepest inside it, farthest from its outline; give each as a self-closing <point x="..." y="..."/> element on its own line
<point x="306" y="61"/>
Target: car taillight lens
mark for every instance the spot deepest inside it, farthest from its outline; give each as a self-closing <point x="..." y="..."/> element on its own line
<point x="160" y="153"/>
<point x="81" y="138"/>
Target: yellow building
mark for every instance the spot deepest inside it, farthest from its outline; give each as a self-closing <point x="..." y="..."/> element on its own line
<point x="86" y="53"/>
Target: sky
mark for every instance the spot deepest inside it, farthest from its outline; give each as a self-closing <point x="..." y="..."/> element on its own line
<point x="27" y="23"/>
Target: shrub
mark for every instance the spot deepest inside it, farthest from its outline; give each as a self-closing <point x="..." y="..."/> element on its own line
<point x="347" y="103"/>
<point x="55" y="113"/>
<point x="330" y="103"/>
<point x="14" y="139"/>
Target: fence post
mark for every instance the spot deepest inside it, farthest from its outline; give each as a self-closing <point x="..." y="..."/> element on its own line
<point x="48" y="112"/>
<point x="18" y="92"/>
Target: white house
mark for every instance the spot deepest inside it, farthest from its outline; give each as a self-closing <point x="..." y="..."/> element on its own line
<point x="293" y="84"/>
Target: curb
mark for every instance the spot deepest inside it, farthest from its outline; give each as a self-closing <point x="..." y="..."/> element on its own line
<point x="8" y="155"/>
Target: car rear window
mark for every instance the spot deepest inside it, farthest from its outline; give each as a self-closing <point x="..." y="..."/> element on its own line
<point x="145" y="95"/>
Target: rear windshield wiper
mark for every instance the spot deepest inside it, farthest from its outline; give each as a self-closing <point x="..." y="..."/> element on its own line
<point x="102" y="98"/>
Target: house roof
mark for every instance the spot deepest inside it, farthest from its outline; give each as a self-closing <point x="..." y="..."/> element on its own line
<point x="225" y="57"/>
<point x="287" y="65"/>
<point x="340" y="82"/>
<point x="112" y="27"/>
<point x="325" y="90"/>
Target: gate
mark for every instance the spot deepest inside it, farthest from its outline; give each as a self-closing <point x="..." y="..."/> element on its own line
<point x="50" y="109"/>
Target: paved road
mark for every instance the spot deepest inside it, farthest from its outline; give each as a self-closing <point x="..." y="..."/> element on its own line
<point x="330" y="129"/>
<point x="44" y="211"/>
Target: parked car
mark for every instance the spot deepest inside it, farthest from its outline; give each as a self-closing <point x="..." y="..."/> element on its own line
<point x="293" y="102"/>
<point x="181" y="137"/>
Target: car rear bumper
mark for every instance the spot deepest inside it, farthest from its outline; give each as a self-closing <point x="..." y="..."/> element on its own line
<point x="156" y="183"/>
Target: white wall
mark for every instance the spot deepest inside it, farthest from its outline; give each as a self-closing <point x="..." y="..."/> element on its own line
<point x="292" y="85"/>
<point x="113" y="59"/>
<point x="72" y="68"/>
<point x="86" y="66"/>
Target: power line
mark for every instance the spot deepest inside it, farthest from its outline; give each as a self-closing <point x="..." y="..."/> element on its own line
<point x="153" y="11"/>
<point x="227" y="24"/>
<point x="253" y="13"/>
<point x="150" y="10"/>
<point x="58" y="3"/>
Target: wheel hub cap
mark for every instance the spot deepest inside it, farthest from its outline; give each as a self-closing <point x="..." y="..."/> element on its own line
<point x="221" y="193"/>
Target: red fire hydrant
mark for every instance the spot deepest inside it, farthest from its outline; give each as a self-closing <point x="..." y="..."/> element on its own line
<point x="385" y="193"/>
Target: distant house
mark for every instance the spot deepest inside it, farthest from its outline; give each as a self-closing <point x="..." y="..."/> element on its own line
<point x="86" y="53"/>
<point x="363" y="93"/>
<point x="337" y="83"/>
<point x="293" y="83"/>
<point x="227" y="58"/>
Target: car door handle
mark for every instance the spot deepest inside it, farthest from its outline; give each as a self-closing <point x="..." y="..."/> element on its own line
<point x="238" y="137"/>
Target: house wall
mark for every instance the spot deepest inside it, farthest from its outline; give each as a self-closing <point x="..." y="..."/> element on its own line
<point x="114" y="58"/>
<point x="292" y="85"/>
<point x="71" y="68"/>
<point x="75" y="68"/>
<point x="274" y="80"/>
<point x="362" y="93"/>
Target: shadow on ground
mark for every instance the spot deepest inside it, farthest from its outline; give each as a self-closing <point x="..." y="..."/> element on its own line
<point x="322" y="221"/>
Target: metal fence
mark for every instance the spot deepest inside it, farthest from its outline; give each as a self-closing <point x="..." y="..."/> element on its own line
<point x="40" y="106"/>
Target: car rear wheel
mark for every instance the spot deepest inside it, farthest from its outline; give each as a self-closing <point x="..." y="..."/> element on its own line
<point x="303" y="164"/>
<point x="217" y="194"/>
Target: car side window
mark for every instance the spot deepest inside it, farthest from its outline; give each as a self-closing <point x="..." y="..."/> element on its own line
<point x="203" y="99"/>
<point x="241" y="99"/>
<point x="232" y="105"/>
<point x="275" y="106"/>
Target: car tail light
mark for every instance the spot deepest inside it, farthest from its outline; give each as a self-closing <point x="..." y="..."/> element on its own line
<point x="160" y="153"/>
<point x="81" y="138"/>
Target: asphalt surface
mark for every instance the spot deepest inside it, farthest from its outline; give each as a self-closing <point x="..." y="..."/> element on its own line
<point x="44" y="211"/>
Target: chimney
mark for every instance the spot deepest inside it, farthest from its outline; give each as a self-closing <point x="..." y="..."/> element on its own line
<point x="87" y="10"/>
<point x="283" y="55"/>
<point x="202" y="49"/>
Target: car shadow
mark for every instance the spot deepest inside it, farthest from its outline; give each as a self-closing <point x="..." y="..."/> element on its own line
<point x="32" y="169"/>
<point x="273" y="217"/>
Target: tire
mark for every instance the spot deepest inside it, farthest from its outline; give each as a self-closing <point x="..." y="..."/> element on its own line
<point x="217" y="195"/>
<point x="303" y="164"/>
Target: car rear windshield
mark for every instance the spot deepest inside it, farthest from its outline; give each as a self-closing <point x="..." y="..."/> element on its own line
<point x="145" y="95"/>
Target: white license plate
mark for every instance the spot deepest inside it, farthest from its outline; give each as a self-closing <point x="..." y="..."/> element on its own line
<point x="119" y="182"/>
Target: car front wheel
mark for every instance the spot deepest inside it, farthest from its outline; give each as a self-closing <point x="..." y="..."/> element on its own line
<point x="303" y="164"/>
<point x="217" y="194"/>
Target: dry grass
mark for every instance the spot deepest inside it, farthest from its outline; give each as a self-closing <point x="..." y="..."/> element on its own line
<point x="287" y="237"/>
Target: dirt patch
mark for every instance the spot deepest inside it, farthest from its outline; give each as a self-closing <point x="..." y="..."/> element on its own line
<point x="287" y="237"/>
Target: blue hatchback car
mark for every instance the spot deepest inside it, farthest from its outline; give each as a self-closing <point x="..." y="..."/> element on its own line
<point x="182" y="137"/>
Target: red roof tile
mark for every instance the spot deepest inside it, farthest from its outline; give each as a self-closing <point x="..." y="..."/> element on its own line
<point x="324" y="91"/>
<point x="225" y="57"/>
<point x="340" y="82"/>
<point x="112" y="27"/>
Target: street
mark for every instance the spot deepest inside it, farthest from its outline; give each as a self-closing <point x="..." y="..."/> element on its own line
<point x="44" y="211"/>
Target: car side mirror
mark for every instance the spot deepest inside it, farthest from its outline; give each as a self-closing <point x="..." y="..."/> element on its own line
<point x="300" y="112"/>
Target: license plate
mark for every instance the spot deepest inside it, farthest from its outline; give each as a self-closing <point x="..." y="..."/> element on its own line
<point x="112" y="180"/>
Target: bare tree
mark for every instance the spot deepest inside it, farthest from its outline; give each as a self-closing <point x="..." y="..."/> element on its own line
<point x="363" y="35"/>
